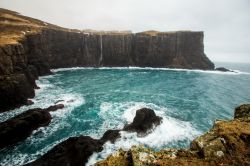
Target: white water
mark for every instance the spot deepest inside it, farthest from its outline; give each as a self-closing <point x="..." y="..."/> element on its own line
<point x="235" y="72"/>
<point x="170" y="130"/>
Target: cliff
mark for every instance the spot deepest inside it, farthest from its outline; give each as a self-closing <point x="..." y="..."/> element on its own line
<point x="227" y="143"/>
<point x="30" y="48"/>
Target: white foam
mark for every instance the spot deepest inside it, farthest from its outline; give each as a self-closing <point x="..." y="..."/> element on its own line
<point x="234" y="72"/>
<point x="169" y="131"/>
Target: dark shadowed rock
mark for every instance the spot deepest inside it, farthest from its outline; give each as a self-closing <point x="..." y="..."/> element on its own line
<point x="29" y="102"/>
<point x="111" y="135"/>
<point x="14" y="91"/>
<point x="55" y="107"/>
<point x="145" y="119"/>
<point x="20" y="127"/>
<point x="74" y="151"/>
<point x="242" y="111"/>
<point x="222" y="69"/>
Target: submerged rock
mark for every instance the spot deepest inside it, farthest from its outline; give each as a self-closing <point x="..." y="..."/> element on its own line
<point x="55" y="107"/>
<point x="227" y="143"/>
<point x="145" y="119"/>
<point x="75" y="151"/>
<point x="20" y="127"/>
<point x="222" y="69"/>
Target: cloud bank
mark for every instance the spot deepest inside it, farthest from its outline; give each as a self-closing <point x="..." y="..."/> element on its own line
<point x="225" y="22"/>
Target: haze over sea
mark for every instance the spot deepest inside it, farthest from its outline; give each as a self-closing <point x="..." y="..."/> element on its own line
<point x="107" y="98"/>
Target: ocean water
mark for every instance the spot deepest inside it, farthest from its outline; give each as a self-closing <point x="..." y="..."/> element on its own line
<point x="107" y="98"/>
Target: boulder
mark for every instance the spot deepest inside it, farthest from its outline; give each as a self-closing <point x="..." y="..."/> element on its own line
<point x="74" y="151"/>
<point x="145" y="119"/>
<point x="242" y="111"/>
<point x="111" y="135"/>
<point x="20" y="127"/>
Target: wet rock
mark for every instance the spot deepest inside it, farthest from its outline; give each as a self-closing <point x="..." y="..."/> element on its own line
<point x="222" y="69"/>
<point x="29" y="102"/>
<point x="58" y="101"/>
<point x="20" y="127"/>
<point x="54" y="107"/>
<point x="144" y="120"/>
<point x="242" y="111"/>
<point x="111" y="135"/>
<point x="74" y="151"/>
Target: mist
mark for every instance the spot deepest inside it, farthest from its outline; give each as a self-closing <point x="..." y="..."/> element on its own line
<point x="225" y="23"/>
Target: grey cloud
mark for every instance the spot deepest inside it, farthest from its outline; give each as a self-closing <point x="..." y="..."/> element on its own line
<point x="225" y="22"/>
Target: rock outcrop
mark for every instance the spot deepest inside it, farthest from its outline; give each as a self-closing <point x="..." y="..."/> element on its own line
<point x="227" y="143"/>
<point x="223" y="69"/>
<point x="144" y="120"/>
<point x="30" y="48"/>
<point x="20" y="127"/>
<point x="75" y="151"/>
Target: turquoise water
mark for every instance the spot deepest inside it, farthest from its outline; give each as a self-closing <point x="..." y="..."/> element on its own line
<point x="100" y="99"/>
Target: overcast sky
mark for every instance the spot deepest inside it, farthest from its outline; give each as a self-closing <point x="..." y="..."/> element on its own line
<point x="226" y="23"/>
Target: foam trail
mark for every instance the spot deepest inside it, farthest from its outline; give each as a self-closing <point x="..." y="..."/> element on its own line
<point x="234" y="72"/>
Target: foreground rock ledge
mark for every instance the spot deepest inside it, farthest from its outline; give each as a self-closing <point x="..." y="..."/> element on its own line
<point x="227" y="143"/>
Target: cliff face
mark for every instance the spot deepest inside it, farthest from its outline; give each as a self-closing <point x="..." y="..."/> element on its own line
<point x="30" y="48"/>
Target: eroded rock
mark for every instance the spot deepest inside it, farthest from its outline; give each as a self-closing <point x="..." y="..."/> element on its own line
<point x="144" y="120"/>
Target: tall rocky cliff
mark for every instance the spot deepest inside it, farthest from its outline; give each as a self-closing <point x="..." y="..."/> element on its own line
<point x="30" y="48"/>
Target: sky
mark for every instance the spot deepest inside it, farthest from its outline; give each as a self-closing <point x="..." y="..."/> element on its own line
<point x="225" y="23"/>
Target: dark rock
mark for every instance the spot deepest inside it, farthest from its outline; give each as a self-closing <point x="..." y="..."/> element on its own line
<point x="222" y="69"/>
<point x="55" y="107"/>
<point x="20" y="127"/>
<point x="242" y="111"/>
<point x="58" y="101"/>
<point x="29" y="102"/>
<point x="145" y="119"/>
<point x="14" y="91"/>
<point x="111" y="135"/>
<point x="75" y="151"/>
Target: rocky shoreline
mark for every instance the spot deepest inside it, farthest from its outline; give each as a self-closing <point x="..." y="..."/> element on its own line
<point x="227" y="143"/>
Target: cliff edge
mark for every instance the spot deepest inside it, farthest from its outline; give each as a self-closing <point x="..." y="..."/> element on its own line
<point x="30" y="48"/>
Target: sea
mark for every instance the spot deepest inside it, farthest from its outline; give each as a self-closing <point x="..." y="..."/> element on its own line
<point x="99" y="99"/>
